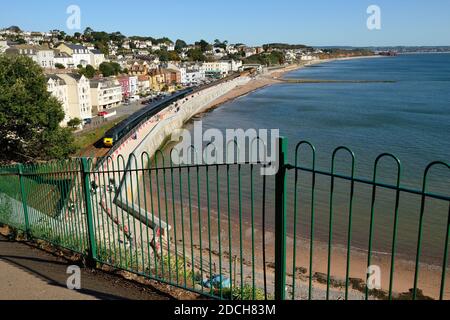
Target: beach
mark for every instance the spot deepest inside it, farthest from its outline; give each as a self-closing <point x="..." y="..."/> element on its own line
<point x="429" y="275"/>
<point x="272" y="77"/>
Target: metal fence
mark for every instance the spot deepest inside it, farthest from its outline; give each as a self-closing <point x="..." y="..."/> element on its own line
<point x="227" y="232"/>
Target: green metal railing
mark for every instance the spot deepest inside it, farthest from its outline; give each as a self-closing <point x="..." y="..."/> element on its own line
<point x="227" y="232"/>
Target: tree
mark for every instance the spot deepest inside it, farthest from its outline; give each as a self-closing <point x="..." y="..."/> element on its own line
<point x="196" y="55"/>
<point x="88" y="31"/>
<point x="29" y="115"/>
<point x="14" y="29"/>
<point x="204" y="46"/>
<point x="163" y="55"/>
<point x="62" y="35"/>
<point x="110" y="69"/>
<point x="89" y="72"/>
<point x="106" y="69"/>
<point x="220" y="44"/>
<point x="59" y="66"/>
<point x="74" y="123"/>
<point x="173" y="56"/>
<point x="180" y="45"/>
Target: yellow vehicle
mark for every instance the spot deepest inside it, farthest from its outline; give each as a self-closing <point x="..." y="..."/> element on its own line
<point x="117" y="133"/>
<point x="108" y="142"/>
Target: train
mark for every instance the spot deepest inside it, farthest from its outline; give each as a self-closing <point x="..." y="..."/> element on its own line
<point x="115" y="134"/>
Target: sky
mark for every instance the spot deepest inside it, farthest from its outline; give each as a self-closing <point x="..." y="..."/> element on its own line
<point x="253" y="22"/>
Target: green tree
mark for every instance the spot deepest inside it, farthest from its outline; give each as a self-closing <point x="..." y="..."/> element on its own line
<point x="110" y="69"/>
<point x="74" y="123"/>
<point x="59" y="66"/>
<point x="106" y="69"/>
<point x="163" y="55"/>
<point x="204" y="46"/>
<point x="29" y="115"/>
<point x="196" y="55"/>
<point x="180" y="45"/>
<point x="173" y="56"/>
<point x="89" y="72"/>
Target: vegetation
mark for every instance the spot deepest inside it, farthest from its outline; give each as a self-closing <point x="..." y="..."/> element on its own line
<point x="74" y="123"/>
<point x="87" y="139"/>
<point x="269" y="59"/>
<point x="245" y="294"/>
<point x="196" y="55"/>
<point x="59" y="66"/>
<point x="89" y="72"/>
<point x="337" y="53"/>
<point x="285" y="46"/>
<point x="110" y="69"/>
<point x="29" y="115"/>
<point x="203" y="45"/>
<point x="180" y="45"/>
<point x="220" y="44"/>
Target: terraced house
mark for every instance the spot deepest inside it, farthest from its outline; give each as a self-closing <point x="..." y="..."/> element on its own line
<point x="106" y="93"/>
<point x="42" y="55"/>
<point x="79" y="95"/>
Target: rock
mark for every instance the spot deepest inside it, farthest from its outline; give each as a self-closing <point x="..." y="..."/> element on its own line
<point x="409" y="295"/>
<point x="301" y="270"/>
<point x="358" y="284"/>
<point x="337" y="283"/>
<point x="321" y="277"/>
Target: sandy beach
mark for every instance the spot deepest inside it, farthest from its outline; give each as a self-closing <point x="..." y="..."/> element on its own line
<point x="211" y="237"/>
<point x="215" y="240"/>
<point x="430" y="276"/>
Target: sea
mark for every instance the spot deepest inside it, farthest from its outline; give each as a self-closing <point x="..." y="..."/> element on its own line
<point x="404" y="115"/>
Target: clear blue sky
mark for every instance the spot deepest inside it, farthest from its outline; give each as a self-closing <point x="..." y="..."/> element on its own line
<point x="323" y="22"/>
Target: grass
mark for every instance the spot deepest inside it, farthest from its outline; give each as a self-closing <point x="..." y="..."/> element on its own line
<point x="245" y="294"/>
<point x="5" y="211"/>
<point x="38" y="188"/>
<point x="89" y="138"/>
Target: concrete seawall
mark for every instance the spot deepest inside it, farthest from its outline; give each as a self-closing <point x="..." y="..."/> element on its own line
<point x="150" y="137"/>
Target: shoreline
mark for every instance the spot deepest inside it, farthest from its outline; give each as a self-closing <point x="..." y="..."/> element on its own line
<point x="272" y="77"/>
<point x="404" y="274"/>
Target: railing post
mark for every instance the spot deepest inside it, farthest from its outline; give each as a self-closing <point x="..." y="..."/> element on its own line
<point x="24" y="200"/>
<point x="280" y="221"/>
<point x="92" y="254"/>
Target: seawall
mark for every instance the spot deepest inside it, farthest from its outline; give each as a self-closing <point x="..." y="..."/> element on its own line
<point x="149" y="138"/>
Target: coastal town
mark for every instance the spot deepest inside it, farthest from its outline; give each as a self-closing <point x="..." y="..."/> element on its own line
<point x="93" y="72"/>
<point x="216" y="159"/>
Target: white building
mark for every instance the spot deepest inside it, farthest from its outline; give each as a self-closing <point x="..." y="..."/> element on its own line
<point x="58" y="88"/>
<point x="80" y="54"/>
<point x="79" y="95"/>
<point x="64" y="59"/>
<point x="45" y="57"/>
<point x="42" y="55"/>
<point x="97" y="58"/>
<point x="192" y="75"/>
<point x="219" y="67"/>
<point x="222" y="68"/>
<point x="106" y="93"/>
<point x="235" y="65"/>
<point x="4" y="44"/>
<point x="134" y="86"/>
<point x="308" y="57"/>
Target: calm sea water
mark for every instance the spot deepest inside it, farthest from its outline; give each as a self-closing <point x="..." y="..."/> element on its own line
<point x="409" y="118"/>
